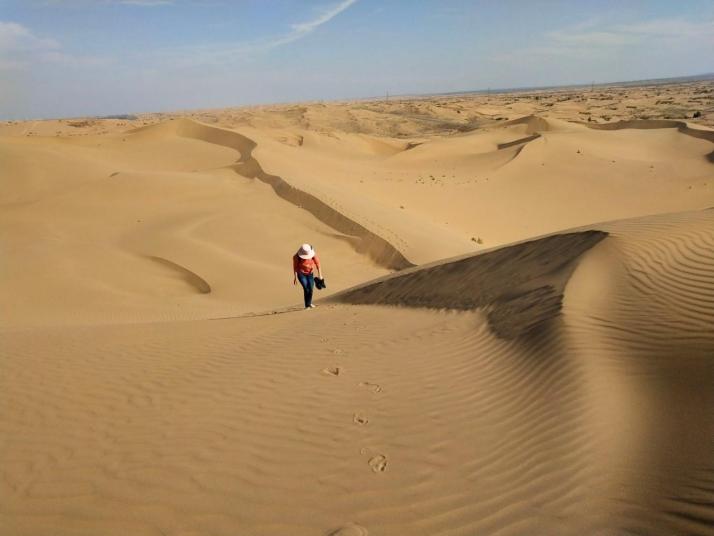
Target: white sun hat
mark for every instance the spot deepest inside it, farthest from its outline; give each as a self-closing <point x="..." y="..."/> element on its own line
<point x="306" y="252"/>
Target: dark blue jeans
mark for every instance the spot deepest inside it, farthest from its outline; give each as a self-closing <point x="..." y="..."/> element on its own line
<point x="308" y="282"/>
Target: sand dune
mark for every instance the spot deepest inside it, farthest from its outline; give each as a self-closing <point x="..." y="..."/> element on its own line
<point x="600" y="422"/>
<point x="681" y="126"/>
<point x="502" y="184"/>
<point x="517" y="335"/>
<point x="121" y="175"/>
<point x="100" y="229"/>
<point x="519" y="286"/>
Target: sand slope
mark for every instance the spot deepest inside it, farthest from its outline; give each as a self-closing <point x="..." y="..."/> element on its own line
<point x="598" y="421"/>
<point x="128" y="240"/>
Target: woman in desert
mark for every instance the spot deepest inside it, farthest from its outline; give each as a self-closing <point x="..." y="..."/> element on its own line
<point x="305" y="261"/>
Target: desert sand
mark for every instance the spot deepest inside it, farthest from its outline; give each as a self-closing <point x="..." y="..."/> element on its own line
<point x="517" y="335"/>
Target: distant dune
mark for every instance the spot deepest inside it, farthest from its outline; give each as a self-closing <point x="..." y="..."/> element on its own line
<point x="517" y="335"/>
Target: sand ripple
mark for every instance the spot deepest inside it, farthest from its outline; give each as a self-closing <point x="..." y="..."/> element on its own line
<point x="598" y="422"/>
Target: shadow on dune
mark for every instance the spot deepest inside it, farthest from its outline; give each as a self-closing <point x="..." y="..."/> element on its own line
<point x="192" y="278"/>
<point x="534" y="124"/>
<point x="520" y="286"/>
<point x="377" y="248"/>
<point x="519" y="141"/>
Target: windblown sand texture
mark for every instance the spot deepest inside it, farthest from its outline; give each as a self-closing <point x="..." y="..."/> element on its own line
<point x="489" y="356"/>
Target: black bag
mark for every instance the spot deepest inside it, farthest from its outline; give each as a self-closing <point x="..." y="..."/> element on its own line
<point x="320" y="283"/>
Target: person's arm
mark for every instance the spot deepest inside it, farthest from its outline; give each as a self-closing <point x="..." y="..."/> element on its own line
<point x="317" y="265"/>
<point x="295" y="270"/>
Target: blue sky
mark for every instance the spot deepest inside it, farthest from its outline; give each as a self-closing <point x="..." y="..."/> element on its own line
<point x="62" y="58"/>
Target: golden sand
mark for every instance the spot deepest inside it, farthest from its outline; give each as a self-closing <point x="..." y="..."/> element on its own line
<point x="489" y="356"/>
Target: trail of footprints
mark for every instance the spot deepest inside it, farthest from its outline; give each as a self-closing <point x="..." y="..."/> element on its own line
<point x="377" y="462"/>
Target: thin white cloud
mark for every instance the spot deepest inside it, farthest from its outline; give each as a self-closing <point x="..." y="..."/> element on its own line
<point x="603" y="38"/>
<point x="669" y="28"/>
<point x="145" y="3"/>
<point x="84" y="3"/>
<point x="224" y="53"/>
<point x="21" y="48"/>
<point x="626" y="34"/>
<point x="18" y="45"/>
<point x="16" y="37"/>
<point x="591" y="39"/>
<point x="305" y="28"/>
<point x="78" y="4"/>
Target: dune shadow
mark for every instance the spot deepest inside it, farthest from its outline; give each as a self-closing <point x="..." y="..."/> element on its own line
<point x="520" y="286"/>
<point x="377" y="248"/>
<point x="193" y="279"/>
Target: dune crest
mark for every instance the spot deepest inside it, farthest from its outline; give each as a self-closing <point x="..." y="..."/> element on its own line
<point x="380" y="250"/>
<point x="646" y="124"/>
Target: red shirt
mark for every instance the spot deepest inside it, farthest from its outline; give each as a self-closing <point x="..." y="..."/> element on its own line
<point x="305" y="266"/>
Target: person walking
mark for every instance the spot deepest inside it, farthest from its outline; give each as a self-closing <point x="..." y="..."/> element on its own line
<point x="305" y="261"/>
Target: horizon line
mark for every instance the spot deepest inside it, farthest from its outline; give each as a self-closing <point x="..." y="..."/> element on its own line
<point x="701" y="77"/>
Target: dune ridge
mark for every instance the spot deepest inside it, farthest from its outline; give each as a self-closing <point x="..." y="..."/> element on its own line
<point x="644" y="124"/>
<point x="379" y="249"/>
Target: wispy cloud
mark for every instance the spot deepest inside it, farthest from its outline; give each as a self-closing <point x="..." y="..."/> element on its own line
<point x="591" y="39"/>
<point x="18" y="45"/>
<point x="670" y="28"/>
<point x="299" y="30"/>
<point x="305" y="28"/>
<point x="227" y="52"/>
<point x="21" y="48"/>
<point x="145" y="3"/>
<point x="85" y="3"/>
<point x="16" y="37"/>
<point x="626" y="34"/>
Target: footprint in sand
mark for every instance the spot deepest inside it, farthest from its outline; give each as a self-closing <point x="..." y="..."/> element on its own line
<point x="351" y="529"/>
<point x="360" y="419"/>
<point x="378" y="463"/>
<point x="375" y="388"/>
<point x="332" y="371"/>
